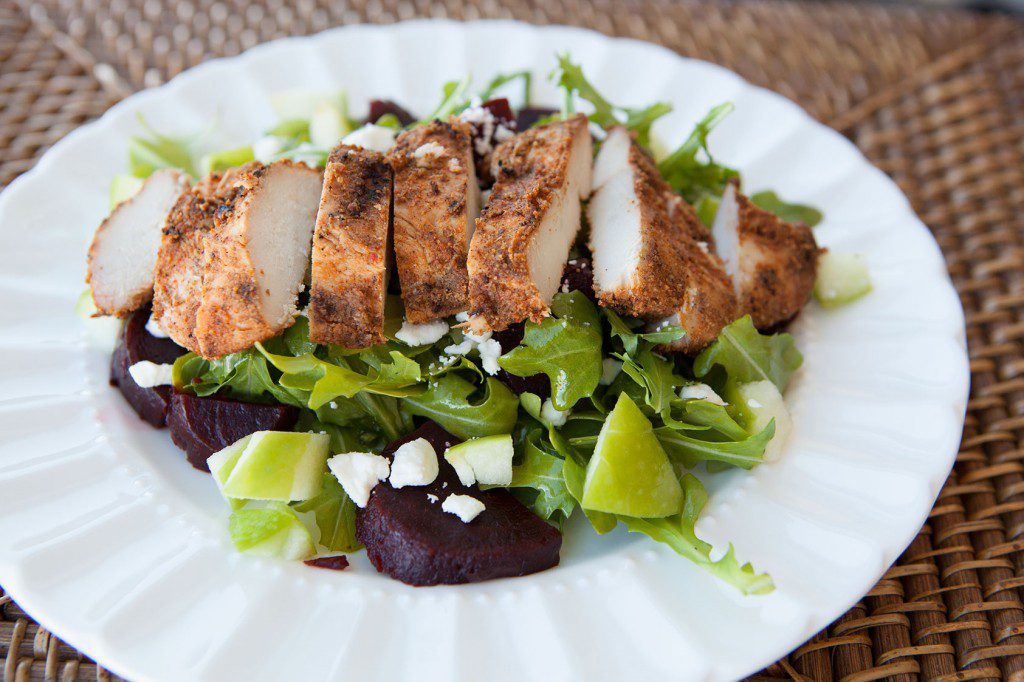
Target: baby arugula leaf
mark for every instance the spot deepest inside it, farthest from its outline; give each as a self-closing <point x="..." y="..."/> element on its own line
<point x="566" y="347"/>
<point x="656" y="374"/>
<point x="791" y="213"/>
<point x="688" y="172"/>
<point x="678" y="532"/>
<point x="569" y="77"/>
<point x="542" y="471"/>
<point x="503" y="79"/>
<point x="335" y="515"/>
<point x="745" y="454"/>
<point x="155" y="151"/>
<point x="447" y="401"/>
<point x="624" y="330"/>
<point x="454" y="99"/>
<point x="747" y="355"/>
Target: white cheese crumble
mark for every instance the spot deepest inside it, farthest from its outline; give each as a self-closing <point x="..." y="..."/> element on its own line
<point x="453" y="165"/>
<point x="358" y="473"/>
<point x="488" y="128"/>
<point x="267" y="148"/>
<point x="433" y="498"/>
<point x="477" y="338"/>
<point x="610" y="368"/>
<point x="415" y="463"/>
<point x="490" y="351"/>
<point x="703" y="246"/>
<point x="553" y="416"/>
<point x="465" y="507"/>
<point x="149" y="374"/>
<point x="462" y="317"/>
<point x="422" y="334"/>
<point x="370" y="136"/>
<point x="154" y="329"/>
<point x="701" y="392"/>
<point x="428" y="150"/>
<point x="460" y="348"/>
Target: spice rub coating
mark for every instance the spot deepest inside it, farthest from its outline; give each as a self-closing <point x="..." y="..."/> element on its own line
<point x="350" y="250"/>
<point x="436" y="201"/>
<point x="530" y="221"/>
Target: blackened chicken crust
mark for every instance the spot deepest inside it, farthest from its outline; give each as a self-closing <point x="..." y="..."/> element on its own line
<point x="350" y="250"/>
<point x="436" y="202"/>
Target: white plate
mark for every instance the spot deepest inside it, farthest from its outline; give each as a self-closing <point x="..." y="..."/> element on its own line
<point x="114" y="543"/>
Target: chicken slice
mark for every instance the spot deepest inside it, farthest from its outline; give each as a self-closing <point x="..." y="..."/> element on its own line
<point x="178" y="276"/>
<point x="650" y="253"/>
<point x="437" y="200"/>
<point x="525" y="231"/>
<point x="123" y="253"/>
<point x="773" y="263"/>
<point x="256" y="257"/>
<point x="350" y="250"/>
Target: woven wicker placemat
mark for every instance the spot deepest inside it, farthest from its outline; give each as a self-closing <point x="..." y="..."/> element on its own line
<point x="935" y="98"/>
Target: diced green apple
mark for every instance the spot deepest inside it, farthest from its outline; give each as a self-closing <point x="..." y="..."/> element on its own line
<point x="274" y="530"/>
<point x="842" y="278"/>
<point x="629" y="472"/>
<point x="760" y="402"/>
<point x="487" y="460"/>
<point x="272" y="465"/>
<point x="328" y="125"/>
<point x="124" y="187"/>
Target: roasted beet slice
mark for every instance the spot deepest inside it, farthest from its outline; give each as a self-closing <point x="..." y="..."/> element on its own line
<point x="579" y="276"/>
<point x="134" y="345"/>
<point x="410" y="538"/>
<point x="501" y="110"/>
<point x="202" y="426"/>
<point x="380" y="107"/>
<point x="527" y="116"/>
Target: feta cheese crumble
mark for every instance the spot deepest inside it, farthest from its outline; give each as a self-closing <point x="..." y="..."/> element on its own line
<point x="415" y="463"/>
<point x="701" y="392"/>
<point x="370" y="136"/>
<point x="149" y="374"/>
<point x="433" y="498"/>
<point x="358" y="473"/>
<point x="428" y="150"/>
<point x="490" y="351"/>
<point x="155" y="330"/>
<point x="465" y="507"/>
<point x="422" y="334"/>
<point x="610" y="368"/>
<point x="551" y="415"/>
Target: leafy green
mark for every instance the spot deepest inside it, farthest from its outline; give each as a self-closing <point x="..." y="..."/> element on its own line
<point x="678" y="533"/>
<point x="503" y="79"/>
<point x="703" y="415"/>
<point x="624" y="331"/>
<point x="790" y="212"/>
<point x="449" y="402"/>
<point x="542" y="471"/>
<point x="656" y="375"/>
<point x="566" y="347"/>
<point x="155" y="150"/>
<point x="570" y="78"/>
<point x="294" y="129"/>
<point x="335" y="515"/>
<point x="454" y="99"/>
<point x="389" y="121"/>
<point x="243" y="376"/>
<point x="747" y="355"/>
<point x="688" y="171"/>
<point x="575" y="474"/>
<point x="229" y="158"/>
<point x="745" y="454"/>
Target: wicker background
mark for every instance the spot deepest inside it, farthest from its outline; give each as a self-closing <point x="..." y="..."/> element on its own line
<point x="935" y="98"/>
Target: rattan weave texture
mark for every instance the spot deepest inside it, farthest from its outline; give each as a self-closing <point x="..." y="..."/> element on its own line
<point x="935" y="98"/>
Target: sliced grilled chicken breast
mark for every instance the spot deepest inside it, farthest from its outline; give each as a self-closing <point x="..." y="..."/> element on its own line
<point x="437" y="200"/>
<point x="123" y="253"/>
<point x="257" y="256"/>
<point x="525" y="231"/>
<point x="650" y="253"/>
<point x="773" y="263"/>
<point x="178" y="277"/>
<point x="350" y="250"/>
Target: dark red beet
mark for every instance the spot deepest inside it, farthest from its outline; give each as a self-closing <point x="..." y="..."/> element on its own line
<point x="501" y="110"/>
<point x="529" y="115"/>
<point x="380" y="107"/>
<point x="579" y="276"/>
<point x="334" y="563"/>
<point x="134" y="345"/>
<point x="412" y="539"/>
<point x="202" y="426"/>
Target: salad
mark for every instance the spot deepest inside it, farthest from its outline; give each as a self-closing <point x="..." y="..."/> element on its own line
<point x="438" y="338"/>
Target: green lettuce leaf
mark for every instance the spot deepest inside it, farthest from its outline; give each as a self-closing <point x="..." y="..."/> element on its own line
<point x="335" y="516"/>
<point x="688" y="171"/>
<point x="566" y="347"/>
<point x="542" y="471"/>
<point x="790" y="212"/>
<point x="150" y="152"/>
<point x="448" y="401"/>
<point x="656" y="375"/>
<point x="624" y="330"/>
<point x="678" y="533"/>
<point x="747" y="355"/>
<point x="455" y="98"/>
<point x="503" y="79"/>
